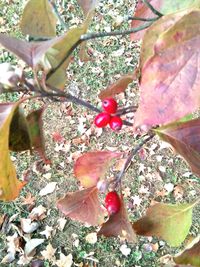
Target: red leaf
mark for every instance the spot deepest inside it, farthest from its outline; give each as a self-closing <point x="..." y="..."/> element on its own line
<point x="119" y="86"/>
<point x="83" y="206"/>
<point x="165" y="7"/>
<point x="185" y="139"/>
<point x="142" y="11"/>
<point x="170" y="79"/>
<point x="92" y="166"/>
<point x="118" y="225"/>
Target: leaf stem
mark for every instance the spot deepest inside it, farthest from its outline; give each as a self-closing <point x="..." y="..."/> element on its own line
<point x="143" y="19"/>
<point x="156" y="12"/>
<point x="131" y="155"/>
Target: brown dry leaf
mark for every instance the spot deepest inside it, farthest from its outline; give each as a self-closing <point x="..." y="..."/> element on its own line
<point x="49" y="253"/>
<point x="178" y="192"/>
<point x="28" y="200"/>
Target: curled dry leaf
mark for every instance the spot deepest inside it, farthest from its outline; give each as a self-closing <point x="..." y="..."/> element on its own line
<point x="30" y="246"/>
<point x="28" y="226"/>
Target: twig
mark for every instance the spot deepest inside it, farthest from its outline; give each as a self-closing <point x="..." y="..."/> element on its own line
<point x="156" y="12"/>
<point x="131" y="155"/>
<point x="126" y="110"/>
<point x="90" y="36"/>
<point x="58" y="14"/>
<point x="142" y="19"/>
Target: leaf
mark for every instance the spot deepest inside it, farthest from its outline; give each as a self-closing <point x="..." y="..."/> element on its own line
<point x="118" y="224"/>
<point x="83" y="206"/>
<point x="19" y="136"/>
<point x="185" y="139"/>
<point x="48" y="189"/>
<point x="153" y="32"/>
<point x="87" y="5"/>
<point x="10" y="186"/>
<point x="170" y="78"/>
<point x="163" y="6"/>
<point x="35" y="125"/>
<point x="169" y="222"/>
<point x="92" y="166"/>
<point x="38" y="19"/>
<point x="57" y="53"/>
<point x="65" y="261"/>
<point x="31" y="245"/>
<point x="191" y="255"/>
<point x="28" y="226"/>
<point x="118" y="87"/>
<point x="31" y="53"/>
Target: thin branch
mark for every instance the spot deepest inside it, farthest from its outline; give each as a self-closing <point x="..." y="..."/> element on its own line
<point x="90" y="36"/>
<point x="126" y="110"/>
<point x="142" y="19"/>
<point x="131" y="155"/>
<point x="156" y="12"/>
<point x="63" y="24"/>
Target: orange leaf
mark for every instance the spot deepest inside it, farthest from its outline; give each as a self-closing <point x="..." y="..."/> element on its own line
<point x="92" y="166"/>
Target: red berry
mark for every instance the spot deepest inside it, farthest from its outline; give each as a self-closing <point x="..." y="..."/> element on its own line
<point x="112" y="202"/>
<point x="102" y="119"/>
<point x="116" y="123"/>
<point x="109" y="105"/>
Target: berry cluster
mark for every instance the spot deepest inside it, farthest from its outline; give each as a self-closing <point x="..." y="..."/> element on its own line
<point x="109" y="106"/>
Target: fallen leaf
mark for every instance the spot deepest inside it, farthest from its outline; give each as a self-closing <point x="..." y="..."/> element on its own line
<point x="125" y="250"/>
<point x="47" y="232"/>
<point x="49" y="253"/>
<point x="48" y="189"/>
<point x="30" y="246"/>
<point x="65" y="261"/>
<point x="28" y="226"/>
<point x="91" y="238"/>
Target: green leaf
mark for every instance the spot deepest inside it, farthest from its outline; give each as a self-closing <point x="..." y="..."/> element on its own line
<point x="191" y="254"/>
<point x="19" y="137"/>
<point x="38" y="19"/>
<point x="169" y="222"/>
<point x="35" y="125"/>
<point x="10" y="186"/>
